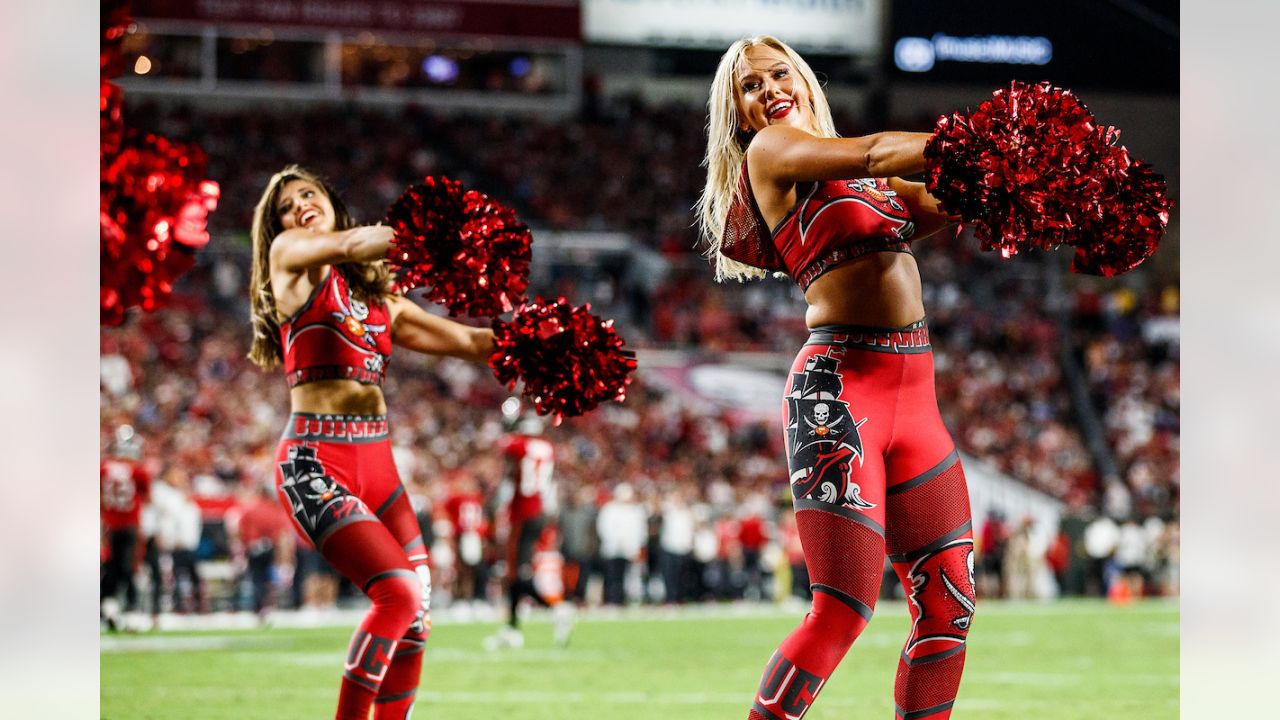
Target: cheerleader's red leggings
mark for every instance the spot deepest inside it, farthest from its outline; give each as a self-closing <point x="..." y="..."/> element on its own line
<point x="873" y="473"/>
<point x="336" y="477"/>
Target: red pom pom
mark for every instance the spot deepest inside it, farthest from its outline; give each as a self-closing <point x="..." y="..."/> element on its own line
<point x="1128" y="224"/>
<point x="570" y="361"/>
<point x="1031" y="168"/>
<point x="472" y="251"/>
<point x="154" y="205"/>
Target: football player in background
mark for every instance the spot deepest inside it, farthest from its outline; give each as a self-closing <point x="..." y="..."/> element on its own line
<point x="125" y="486"/>
<point x="527" y="504"/>
<point x="469" y="529"/>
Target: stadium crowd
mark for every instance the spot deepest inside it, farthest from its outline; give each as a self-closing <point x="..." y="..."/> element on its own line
<point x="697" y="498"/>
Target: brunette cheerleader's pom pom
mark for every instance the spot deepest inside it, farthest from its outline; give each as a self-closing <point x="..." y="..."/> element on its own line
<point x="146" y="185"/>
<point x="568" y="359"/>
<point x="1031" y="168"/>
<point x="469" y="250"/>
<point x="155" y="203"/>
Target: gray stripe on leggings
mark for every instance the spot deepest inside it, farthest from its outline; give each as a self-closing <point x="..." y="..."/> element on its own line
<point x="934" y="657"/>
<point x="329" y="531"/>
<point x="933" y="546"/>
<point x="854" y="603"/>
<point x="842" y="511"/>
<point x="927" y="475"/>
<point x="387" y="503"/>
<point x="389" y="573"/>
<point x="392" y="698"/>
<point x="917" y="714"/>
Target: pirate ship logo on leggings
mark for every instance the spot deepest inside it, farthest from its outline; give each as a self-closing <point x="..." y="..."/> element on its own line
<point x="822" y="436"/>
<point x="317" y="500"/>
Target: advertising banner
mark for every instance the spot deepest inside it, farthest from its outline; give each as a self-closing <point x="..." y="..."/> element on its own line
<point x="1071" y="43"/>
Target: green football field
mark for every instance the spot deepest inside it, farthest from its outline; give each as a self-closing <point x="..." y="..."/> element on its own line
<point x="1067" y="659"/>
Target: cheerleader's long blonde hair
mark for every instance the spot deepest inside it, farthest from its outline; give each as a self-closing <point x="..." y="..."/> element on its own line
<point x="727" y="146"/>
<point x="367" y="281"/>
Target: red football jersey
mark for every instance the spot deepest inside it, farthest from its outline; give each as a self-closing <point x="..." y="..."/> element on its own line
<point x="262" y="520"/>
<point x="334" y="336"/>
<point x="832" y="222"/>
<point x="466" y="514"/>
<point x="125" y="488"/>
<point x="752" y="532"/>
<point x="532" y="461"/>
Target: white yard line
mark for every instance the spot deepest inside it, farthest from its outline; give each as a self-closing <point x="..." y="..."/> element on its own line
<point x="458" y="615"/>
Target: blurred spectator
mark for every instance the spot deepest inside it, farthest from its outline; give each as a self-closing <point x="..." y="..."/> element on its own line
<point x="753" y="535"/>
<point x="992" y="540"/>
<point x="1168" y="559"/>
<point x="469" y="527"/>
<point x="580" y="546"/>
<point x="178" y="530"/>
<point x="726" y="578"/>
<point x="1071" y="533"/>
<point x="187" y="525"/>
<point x="621" y="526"/>
<point x="1101" y="538"/>
<point x="1022" y="563"/>
<point x="706" y="548"/>
<point x="155" y="578"/>
<point x="1058" y="559"/>
<point x="790" y="538"/>
<point x="676" y="545"/>
<point x="262" y="540"/>
<point x="1133" y="555"/>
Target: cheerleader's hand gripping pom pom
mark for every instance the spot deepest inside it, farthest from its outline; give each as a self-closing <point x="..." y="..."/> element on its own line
<point x="1031" y="168"/>
<point x="569" y="360"/>
<point x="469" y="250"/>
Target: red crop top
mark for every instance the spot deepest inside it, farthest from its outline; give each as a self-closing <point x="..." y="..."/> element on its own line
<point x="334" y="336"/>
<point x="832" y="222"/>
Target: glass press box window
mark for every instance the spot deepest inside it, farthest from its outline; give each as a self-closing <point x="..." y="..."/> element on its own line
<point x="470" y="66"/>
<point x="167" y="56"/>
<point x="264" y="58"/>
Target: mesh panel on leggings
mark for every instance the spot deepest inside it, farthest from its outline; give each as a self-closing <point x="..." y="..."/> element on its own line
<point x="844" y="554"/>
<point x="923" y="686"/>
<point x="926" y="512"/>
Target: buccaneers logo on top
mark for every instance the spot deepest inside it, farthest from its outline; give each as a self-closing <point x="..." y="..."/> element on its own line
<point x="352" y="317"/>
<point x="822" y="436"/>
